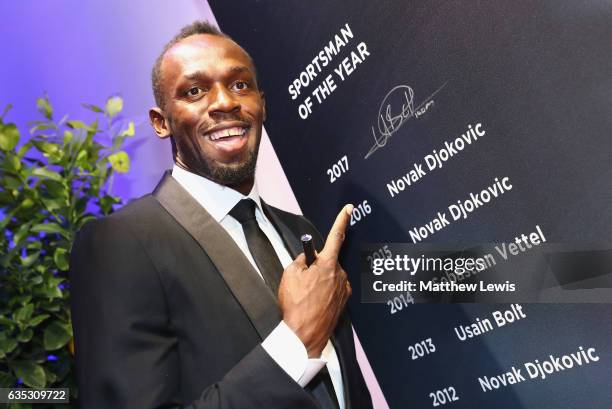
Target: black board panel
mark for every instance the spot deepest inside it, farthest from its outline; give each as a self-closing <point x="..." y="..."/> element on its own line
<point x="537" y="77"/>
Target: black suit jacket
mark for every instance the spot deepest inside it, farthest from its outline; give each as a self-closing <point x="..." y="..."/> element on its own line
<point x="168" y="313"/>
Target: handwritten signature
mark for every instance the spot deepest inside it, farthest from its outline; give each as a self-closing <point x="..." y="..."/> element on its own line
<point x="390" y="122"/>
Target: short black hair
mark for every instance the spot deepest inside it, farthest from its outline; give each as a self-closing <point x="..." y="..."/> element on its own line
<point x="197" y="27"/>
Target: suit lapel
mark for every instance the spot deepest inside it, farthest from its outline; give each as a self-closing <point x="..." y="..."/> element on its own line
<point x="336" y="339"/>
<point x="290" y="238"/>
<point x="248" y="288"/>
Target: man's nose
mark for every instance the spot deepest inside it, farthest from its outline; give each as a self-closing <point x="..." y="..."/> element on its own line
<point x="223" y="100"/>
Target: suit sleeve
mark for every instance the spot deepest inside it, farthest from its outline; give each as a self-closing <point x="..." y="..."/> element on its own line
<point x="126" y="349"/>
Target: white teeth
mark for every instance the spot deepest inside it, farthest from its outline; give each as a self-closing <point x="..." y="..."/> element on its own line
<point x="224" y="133"/>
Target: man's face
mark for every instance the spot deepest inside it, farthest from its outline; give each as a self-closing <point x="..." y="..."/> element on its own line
<point x="213" y="108"/>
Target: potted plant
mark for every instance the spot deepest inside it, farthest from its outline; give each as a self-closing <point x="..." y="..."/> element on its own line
<point x="50" y="185"/>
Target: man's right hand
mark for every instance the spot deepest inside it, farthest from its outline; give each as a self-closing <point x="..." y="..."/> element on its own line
<point x="312" y="298"/>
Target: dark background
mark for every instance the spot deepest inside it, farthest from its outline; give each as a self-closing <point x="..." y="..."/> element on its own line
<point x="538" y="76"/>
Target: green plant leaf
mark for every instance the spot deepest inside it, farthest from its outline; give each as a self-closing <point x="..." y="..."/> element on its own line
<point x="51" y="377"/>
<point x="93" y="108"/>
<point x="41" y="126"/>
<point x="50" y="290"/>
<point x="7" y="343"/>
<point x="47" y="147"/>
<point x="68" y="137"/>
<point x="47" y="173"/>
<point x="6" y="324"/>
<point x="50" y="306"/>
<point x="50" y="228"/>
<point x="85" y="219"/>
<point x="11" y="183"/>
<point x="93" y="128"/>
<point x="31" y="374"/>
<point x="24" y="149"/>
<point x="6" y="219"/>
<point x="120" y="138"/>
<point x="130" y="131"/>
<point x="79" y="125"/>
<point x="24" y="313"/>
<point x="82" y="161"/>
<point x="6" y="110"/>
<point x="114" y="105"/>
<point x="5" y="259"/>
<point x="55" y="188"/>
<point x="27" y="203"/>
<point x="60" y="257"/>
<point x="30" y="259"/>
<point x="25" y="335"/>
<point x="33" y="245"/>
<point x="120" y="161"/>
<point x="44" y="107"/>
<point x="22" y="233"/>
<point x="13" y="161"/>
<point x="38" y="319"/>
<point x="6" y="199"/>
<point x="37" y="280"/>
<point x="54" y="203"/>
<point x="7" y="380"/>
<point x="21" y="299"/>
<point x="106" y="203"/>
<point x="9" y="137"/>
<point x="56" y="336"/>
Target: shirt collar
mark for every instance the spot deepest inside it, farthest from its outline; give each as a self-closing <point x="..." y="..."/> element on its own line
<point x="217" y="199"/>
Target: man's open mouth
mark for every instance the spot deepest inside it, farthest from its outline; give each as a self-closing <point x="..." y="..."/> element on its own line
<point x="228" y="133"/>
<point x="229" y="139"/>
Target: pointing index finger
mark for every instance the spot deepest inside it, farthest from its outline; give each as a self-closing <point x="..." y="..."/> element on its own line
<point x="335" y="238"/>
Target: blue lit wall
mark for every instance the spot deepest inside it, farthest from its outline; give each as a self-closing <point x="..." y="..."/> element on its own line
<point x="80" y="51"/>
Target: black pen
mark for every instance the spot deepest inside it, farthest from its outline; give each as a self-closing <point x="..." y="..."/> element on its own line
<point x="309" y="250"/>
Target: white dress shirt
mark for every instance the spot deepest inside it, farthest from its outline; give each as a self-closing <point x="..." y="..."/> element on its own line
<point x="283" y="345"/>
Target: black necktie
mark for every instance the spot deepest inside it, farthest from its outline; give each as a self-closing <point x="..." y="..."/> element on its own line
<point x="271" y="269"/>
<point x="322" y="388"/>
<point x="260" y="247"/>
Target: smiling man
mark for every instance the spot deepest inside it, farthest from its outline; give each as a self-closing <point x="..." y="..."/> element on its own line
<point x="206" y="89"/>
<point x="197" y="296"/>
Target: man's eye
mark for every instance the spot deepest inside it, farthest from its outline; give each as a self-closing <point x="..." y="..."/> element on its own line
<point x="241" y="85"/>
<point x="194" y="91"/>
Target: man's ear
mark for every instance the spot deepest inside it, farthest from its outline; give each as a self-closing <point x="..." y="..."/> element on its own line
<point x="263" y="103"/>
<point x="159" y="122"/>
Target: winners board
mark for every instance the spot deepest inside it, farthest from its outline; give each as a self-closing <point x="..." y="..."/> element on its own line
<point x="453" y="126"/>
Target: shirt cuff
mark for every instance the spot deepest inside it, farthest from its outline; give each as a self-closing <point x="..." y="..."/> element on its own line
<point x="288" y="351"/>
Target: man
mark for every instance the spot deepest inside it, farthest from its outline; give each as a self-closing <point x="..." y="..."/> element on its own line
<point x="180" y="299"/>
